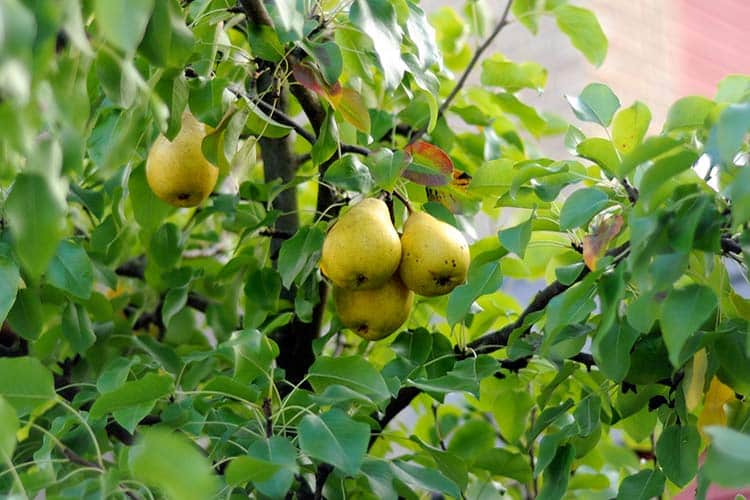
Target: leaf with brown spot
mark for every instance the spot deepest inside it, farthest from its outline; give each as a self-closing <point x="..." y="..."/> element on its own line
<point x="596" y="243"/>
<point x="448" y="195"/>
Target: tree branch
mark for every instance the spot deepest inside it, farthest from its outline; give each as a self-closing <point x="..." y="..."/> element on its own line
<point x="730" y="245"/>
<point x="256" y="12"/>
<point x="496" y="340"/>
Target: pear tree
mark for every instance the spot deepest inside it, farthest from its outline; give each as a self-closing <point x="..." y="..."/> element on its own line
<point x="244" y="252"/>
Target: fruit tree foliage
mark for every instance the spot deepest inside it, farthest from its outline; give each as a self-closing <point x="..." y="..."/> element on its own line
<point x="149" y="351"/>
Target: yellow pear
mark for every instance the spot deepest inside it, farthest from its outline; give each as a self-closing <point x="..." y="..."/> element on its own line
<point x="374" y="314"/>
<point x="435" y="255"/>
<point x="177" y="171"/>
<point x="362" y="249"/>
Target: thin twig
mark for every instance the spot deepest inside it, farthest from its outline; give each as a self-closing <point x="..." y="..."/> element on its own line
<point x="403" y="200"/>
<point x="324" y="470"/>
<point x="474" y="60"/>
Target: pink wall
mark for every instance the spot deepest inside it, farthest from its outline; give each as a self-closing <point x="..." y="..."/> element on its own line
<point x="715" y="42"/>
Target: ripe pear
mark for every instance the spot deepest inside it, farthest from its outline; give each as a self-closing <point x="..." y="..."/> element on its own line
<point x="435" y="255"/>
<point x="177" y="171"/>
<point x="362" y="249"/>
<point x="374" y="314"/>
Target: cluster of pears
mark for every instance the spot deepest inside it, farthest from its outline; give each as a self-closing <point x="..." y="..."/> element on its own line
<point x="176" y="170"/>
<point x="375" y="272"/>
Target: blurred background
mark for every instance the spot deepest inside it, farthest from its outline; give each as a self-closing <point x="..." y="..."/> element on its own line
<point x="659" y="50"/>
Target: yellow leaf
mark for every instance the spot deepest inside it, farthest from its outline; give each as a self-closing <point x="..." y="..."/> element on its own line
<point x="695" y="379"/>
<point x="713" y="406"/>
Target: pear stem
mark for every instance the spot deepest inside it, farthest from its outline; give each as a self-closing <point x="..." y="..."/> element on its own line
<point x="403" y="200"/>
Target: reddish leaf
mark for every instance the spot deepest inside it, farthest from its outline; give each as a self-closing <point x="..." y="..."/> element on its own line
<point x="430" y="166"/>
<point x="352" y="107"/>
<point x="309" y="79"/>
<point x="596" y="243"/>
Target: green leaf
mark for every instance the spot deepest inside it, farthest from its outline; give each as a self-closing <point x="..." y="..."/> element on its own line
<point x="145" y="390"/>
<point x="422" y="34"/>
<point x="655" y="181"/>
<point x="677" y="452"/>
<point x="123" y="22"/>
<point x="253" y="354"/>
<point x="557" y="474"/>
<point x="733" y="88"/>
<point x="26" y="384"/>
<point x="35" y="210"/>
<point x="327" y="141"/>
<point x="601" y="151"/>
<point x="166" y="246"/>
<point x="611" y="350"/>
<point x="117" y="77"/>
<point x="449" y="464"/>
<point x="9" y="281"/>
<point x="727" y="460"/>
<point x="517" y="238"/>
<point x="425" y="478"/>
<point x="271" y="466"/>
<point x="299" y="255"/>
<point x="649" y="149"/>
<point x="597" y="103"/>
<point x="567" y="275"/>
<point x="584" y="31"/>
<point x="167" y="42"/>
<point x="503" y="462"/>
<point x="570" y="307"/>
<point x="349" y="173"/>
<point x="330" y="62"/>
<point x="377" y="19"/>
<point x="499" y="72"/>
<point x="8" y="427"/>
<point x="581" y="206"/>
<point x="682" y="314"/>
<point x="729" y="132"/>
<point x="739" y="193"/>
<point x="172" y="463"/>
<point x="472" y="440"/>
<point x="465" y="376"/>
<point x="354" y="372"/>
<point x="644" y="485"/>
<point x="71" y="270"/>
<point x="528" y="115"/>
<point x="289" y="18"/>
<point x="482" y="279"/>
<point x="525" y="11"/>
<point x="77" y="328"/>
<point x="587" y="414"/>
<point x="688" y="112"/>
<point x="546" y="418"/>
<point x="26" y="316"/>
<point x="335" y="438"/>
<point x="148" y="210"/>
<point x="174" y="302"/>
<point x="386" y="167"/>
<point x="263" y="288"/>
<point x="629" y="126"/>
